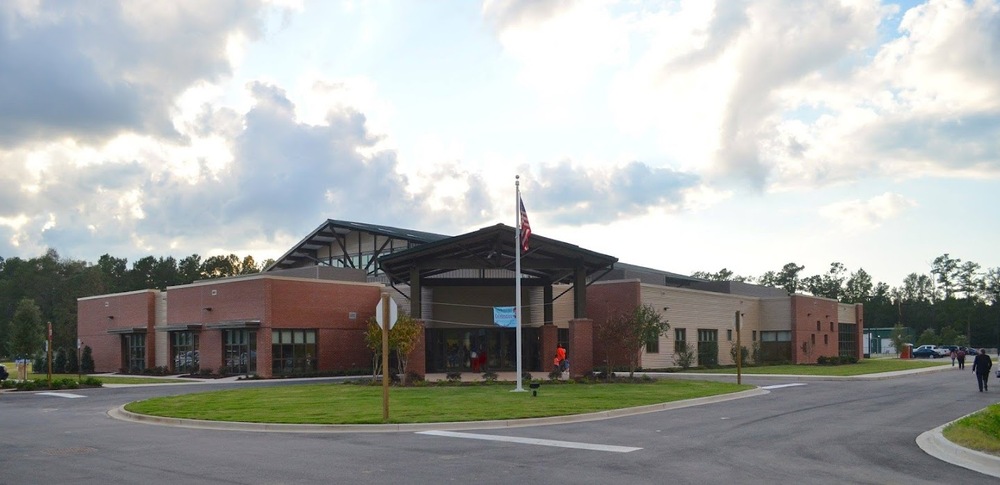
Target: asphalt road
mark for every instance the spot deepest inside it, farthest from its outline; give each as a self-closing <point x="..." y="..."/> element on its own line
<point x="817" y="432"/>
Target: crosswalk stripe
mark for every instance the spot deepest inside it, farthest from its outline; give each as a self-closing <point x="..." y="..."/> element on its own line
<point x="60" y="394"/>
<point x="533" y="441"/>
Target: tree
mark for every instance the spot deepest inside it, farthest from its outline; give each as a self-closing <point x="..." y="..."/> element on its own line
<point x="787" y="278"/>
<point x="87" y="360"/>
<point x="724" y="274"/>
<point x="898" y="337"/>
<point x="928" y="337"/>
<point x="26" y="331"/>
<point x="403" y="337"/>
<point x="858" y="288"/>
<point x="828" y="285"/>
<point x="635" y="328"/>
<point x="946" y="269"/>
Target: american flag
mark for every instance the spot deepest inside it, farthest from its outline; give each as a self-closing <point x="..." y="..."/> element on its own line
<point x="525" y="227"/>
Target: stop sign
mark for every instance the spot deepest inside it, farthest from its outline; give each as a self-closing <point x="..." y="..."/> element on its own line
<point x="393" y="314"/>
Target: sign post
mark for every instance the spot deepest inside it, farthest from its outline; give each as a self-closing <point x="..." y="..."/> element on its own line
<point x="739" y="350"/>
<point x="49" y="352"/>
<point x="385" y="315"/>
<point x="79" y="369"/>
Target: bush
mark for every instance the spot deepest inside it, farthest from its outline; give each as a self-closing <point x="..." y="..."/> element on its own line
<point x="685" y="356"/>
<point x="87" y="360"/>
<point x="555" y="375"/>
<point x="526" y="376"/>
<point x="413" y="378"/>
<point x="454" y="377"/>
<point x="490" y="376"/>
<point x="59" y="364"/>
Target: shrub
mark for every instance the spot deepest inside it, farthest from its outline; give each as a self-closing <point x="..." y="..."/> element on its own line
<point x="490" y="376"/>
<point x="685" y="356"/>
<point x="454" y="377"/>
<point x="555" y="375"/>
<point x="59" y="364"/>
<point x="526" y="376"/>
<point x="413" y="377"/>
<point x="93" y="381"/>
<point x="87" y="360"/>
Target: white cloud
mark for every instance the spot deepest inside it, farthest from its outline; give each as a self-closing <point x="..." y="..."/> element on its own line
<point x="865" y="214"/>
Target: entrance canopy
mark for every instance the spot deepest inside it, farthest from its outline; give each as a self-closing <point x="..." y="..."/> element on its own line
<point x="487" y="256"/>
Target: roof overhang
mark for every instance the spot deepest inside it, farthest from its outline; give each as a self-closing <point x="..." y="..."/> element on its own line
<point x="335" y="232"/>
<point x="190" y="327"/>
<point x="494" y="248"/>
<point x="125" y="331"/>
<point x="234" y="324"/>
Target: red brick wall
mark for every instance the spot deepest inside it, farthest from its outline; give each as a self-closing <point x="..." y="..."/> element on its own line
<point x="130" y="310"/>
<point x="807" y="312"/>
<point x="859" y="316"/>
<point x="327" y="306"/>
<point x="550" y="338"/>
<point x="580" y="353"/>
<point x="604" y="301"/>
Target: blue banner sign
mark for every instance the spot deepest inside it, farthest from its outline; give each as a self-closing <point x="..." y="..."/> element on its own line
<point x="505" y="316"/>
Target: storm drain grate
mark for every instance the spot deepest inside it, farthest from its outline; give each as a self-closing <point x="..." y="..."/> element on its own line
<point x="83" y="450"/>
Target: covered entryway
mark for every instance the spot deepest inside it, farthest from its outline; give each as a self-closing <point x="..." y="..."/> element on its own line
<point x="451" y="285"/>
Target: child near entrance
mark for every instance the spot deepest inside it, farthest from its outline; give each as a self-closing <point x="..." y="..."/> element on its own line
<point x="559" y="363"/>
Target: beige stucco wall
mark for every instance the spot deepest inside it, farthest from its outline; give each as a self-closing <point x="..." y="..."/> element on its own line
<point x="776" y="314"/>
<point x="694" y="310"/>
<point x="846" y="313"/>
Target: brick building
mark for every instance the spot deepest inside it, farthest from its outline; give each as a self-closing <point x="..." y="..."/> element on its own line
<point x="308" y="312"/>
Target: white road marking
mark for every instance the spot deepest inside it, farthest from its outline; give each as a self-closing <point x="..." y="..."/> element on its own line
<point x="779" y="386"/>
<point x="60" y="394"/>
<point x="533" y="441"/>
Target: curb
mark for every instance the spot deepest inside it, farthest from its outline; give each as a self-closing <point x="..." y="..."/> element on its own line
<point x="121" y="414"/>
<point x="935" y="444"/>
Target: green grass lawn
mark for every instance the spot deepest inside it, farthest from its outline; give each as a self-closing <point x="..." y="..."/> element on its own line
<point x="980" y="431"/>
<point x="362" y="404"/>
<point x="864" y="366"/>
<point x="12" y="370"/>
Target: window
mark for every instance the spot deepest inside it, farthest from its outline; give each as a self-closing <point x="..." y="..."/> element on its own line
<point x="775" y="336"/>
<point x="826" y="339"/>
<point x="293" y="351"/>
<point x="813" y="339"/>
<point x="653" y="346"/>
<point x="680" y="339"/>
<point x="708" y="347"/>
<point x="729" y="334"/>
<point x="848" y="341"/>
<point x="134" y="352"/>
<point x="817" y="325"/>
<point x="239" y="349"/>
<point x="831" y="326"/>
<point x="754" y="338"/>
<point x="184" y="349"/>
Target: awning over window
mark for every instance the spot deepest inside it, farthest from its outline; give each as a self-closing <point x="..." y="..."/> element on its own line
<point x="124" y="331"/>
<point x="232" y="324"/>
<point x="188" y="327"/>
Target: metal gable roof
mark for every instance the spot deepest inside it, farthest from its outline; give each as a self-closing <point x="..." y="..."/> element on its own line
<point x="494" y="248"/>
<point x="331" y="230"/>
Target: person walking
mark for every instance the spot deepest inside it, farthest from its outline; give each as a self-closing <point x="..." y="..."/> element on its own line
<point x="954" y="356"/>
<point x="981" y="367"/>
<point x="961" y="358"/>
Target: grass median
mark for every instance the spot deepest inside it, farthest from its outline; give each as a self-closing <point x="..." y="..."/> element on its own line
<point x="362" y="404"/>
<point x="864" y="366"/>
<point x="979" y="431"/>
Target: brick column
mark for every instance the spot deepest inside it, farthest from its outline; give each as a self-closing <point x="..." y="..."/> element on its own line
<point x="581" y="347"/>
<point x="550" y="337"/>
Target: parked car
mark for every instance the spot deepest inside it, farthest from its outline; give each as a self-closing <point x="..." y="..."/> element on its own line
<point x="927" y="351"/>
<point x="3" y="373"/>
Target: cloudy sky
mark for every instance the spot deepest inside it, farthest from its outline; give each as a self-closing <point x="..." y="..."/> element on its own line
<point x="682" y="135"/>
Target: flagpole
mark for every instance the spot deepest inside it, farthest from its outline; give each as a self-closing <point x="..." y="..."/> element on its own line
<point x="517" y="276"/>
